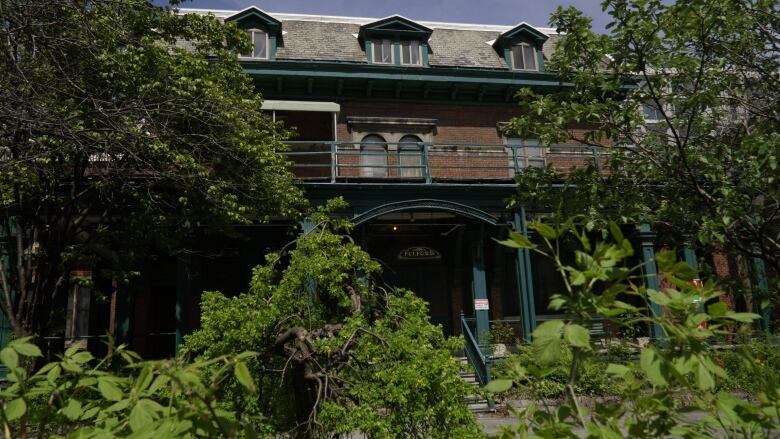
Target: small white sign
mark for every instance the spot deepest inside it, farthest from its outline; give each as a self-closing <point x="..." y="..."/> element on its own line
<point x="481" y="305"/>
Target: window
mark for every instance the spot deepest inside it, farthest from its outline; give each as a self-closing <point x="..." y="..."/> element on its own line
<point x="383" y="51"/>
<point x="410" y="156"/>
<point x="652" y="112"/>
<point x="529" y="153"/>
<point x="259" y="41"/>
<point x="410" y="53"/>
<point x="373" y="156"/>
<point x="524" y="57"/>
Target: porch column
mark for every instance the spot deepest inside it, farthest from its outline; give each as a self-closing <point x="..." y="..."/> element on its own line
<point x="650" y="270"/>
<point x="762" y="288"/>
<point x="525" y="281"/>
<point x="184" y="289"/>
<point x="479" y="285"/>
<point x="689" y="254"/>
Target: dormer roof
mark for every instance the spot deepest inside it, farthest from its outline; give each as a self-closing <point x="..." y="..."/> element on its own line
<point x="254" y="17"/>
<point x="523" y="32"/>
<point x="395" y="25"/>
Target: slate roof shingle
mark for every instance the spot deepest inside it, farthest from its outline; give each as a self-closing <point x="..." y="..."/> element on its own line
<point x="334" y="39"/>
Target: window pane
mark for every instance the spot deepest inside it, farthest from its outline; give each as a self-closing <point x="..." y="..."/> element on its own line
<point x="387" y="51"/>
<point x="260" y="45"/>
<point x="373" y="156"/>
<point x="415" y="49"/>
<point x="377" y="51"/>
<point x="530" y="57"/>
<point x="410" y="156"/>
<point x="517" y="57"/>
<point x="405" y="52"/>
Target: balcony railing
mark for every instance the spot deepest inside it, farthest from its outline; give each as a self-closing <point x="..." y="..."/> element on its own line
<point x="423" y="162"/>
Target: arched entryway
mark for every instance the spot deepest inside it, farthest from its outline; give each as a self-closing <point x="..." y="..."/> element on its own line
<point x="444" y="253"/>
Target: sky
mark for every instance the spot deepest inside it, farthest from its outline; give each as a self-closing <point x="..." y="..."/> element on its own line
<point x="505" y="12"/>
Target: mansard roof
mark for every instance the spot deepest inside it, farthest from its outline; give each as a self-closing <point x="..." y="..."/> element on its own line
<point x="336" y="39"/>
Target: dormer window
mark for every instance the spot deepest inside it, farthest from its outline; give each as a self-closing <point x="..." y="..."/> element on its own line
<point x="410" y="53"/>
<point x="259" y="41"/>
<point x="521" y="47"/>
<point x="383" y="51"/>
<point x="396" y="41"/>
<point x="264" y="32"/>
<point x="524" y="57"/>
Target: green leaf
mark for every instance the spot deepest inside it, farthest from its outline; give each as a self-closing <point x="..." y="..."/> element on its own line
<point x="140" y="416"/>
<point x="618" y="369"/>
<point x="244" y="377"/>
<point x="544" y="230"/>
<point x="550" y="328"/>
<point x="72" y="410"/>
<point x="615" y="230"/>
<point x="9" y="358"/>
<point x="109" y="390"/>
<point x="27" y="349"/>
<point x="718" y="309"/>
<point x="577" y="336"/>
<point x="15" y="409"/>
<point x="498" y="386"/>
<point x="651" y="363"/>
<point x="744" y="317"/>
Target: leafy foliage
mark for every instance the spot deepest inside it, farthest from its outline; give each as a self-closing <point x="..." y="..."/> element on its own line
<point x="681" y="362"/>
<point x="704" y="161"/>
<point x="115" y="136"/>
<point x="80" y="397"/>
<point x="337" y="352"/>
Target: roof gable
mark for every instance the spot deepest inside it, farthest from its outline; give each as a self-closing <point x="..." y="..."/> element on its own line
<point x="254" y="17"/>
<point x="395" y="25"/>
<point x="522" y="32"/>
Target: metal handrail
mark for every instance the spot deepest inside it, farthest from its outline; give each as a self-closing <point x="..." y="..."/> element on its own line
<point x="432" y="161"/>
<point x="478" y="360"/>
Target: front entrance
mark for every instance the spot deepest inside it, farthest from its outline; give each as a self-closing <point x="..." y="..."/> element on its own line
<point x="427" y="253"/>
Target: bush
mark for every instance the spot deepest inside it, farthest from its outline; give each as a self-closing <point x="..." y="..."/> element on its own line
<point x="750" y="366"/>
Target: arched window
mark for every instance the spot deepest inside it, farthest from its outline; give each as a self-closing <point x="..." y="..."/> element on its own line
<point x="373" y="156"/>
<point x="410" y="156"/>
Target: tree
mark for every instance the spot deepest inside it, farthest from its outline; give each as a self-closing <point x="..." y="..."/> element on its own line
<point x="121" y="125"/>
<point x="337" y="352"/>
<point x="707" y="75"/>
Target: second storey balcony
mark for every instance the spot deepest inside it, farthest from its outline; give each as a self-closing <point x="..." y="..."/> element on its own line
<point x="432" y="162"/>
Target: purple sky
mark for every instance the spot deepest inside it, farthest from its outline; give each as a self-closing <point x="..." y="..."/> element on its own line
<point x="508" y="12"/>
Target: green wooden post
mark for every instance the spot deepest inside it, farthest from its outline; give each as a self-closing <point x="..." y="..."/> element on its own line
<point x="650" y="270"/>
<point x="124" y="311"/>
<point x="5" y="324"/>
<point x="307" y="226"/>
<point x="762" y="288"/>
<point x="184" y="281"/>
<point x="479" y="284"/>
<point x="689" y="254"/>
<point x="525" y="280"/>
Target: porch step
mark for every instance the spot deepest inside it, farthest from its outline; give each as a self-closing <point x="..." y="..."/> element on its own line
<point x="475" y="402"/>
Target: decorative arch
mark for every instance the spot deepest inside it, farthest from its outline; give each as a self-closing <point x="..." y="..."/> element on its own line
<point x="426" y="204"/>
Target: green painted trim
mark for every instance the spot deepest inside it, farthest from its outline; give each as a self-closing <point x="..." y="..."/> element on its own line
<point x="758" y="268"/>
<point x="540" y="59"/>
<point x="272" y="47"/>
<point x="369" y="49"/>
<point x="253" y="15"/>
<point x="428" y="204"/>
<point x="394" y="26"/>
<point x="650" y="271"/>
<point x="397" y="51"/>
<point x="424" y="53"/>
<point x="525" y="282"/>
<point x="398" y="73"/>
<point x="479" y="284"/>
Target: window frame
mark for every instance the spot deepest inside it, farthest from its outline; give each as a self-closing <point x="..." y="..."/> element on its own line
<point x="522" y="47"/>
<point x="522" y="158"/>
<point x="411" y="51"/>
<point x="252" y="34"/>
<point x="381" y="43"/>
<point x="366" y="168"/>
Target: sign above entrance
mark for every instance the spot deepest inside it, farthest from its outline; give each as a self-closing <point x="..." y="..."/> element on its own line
<point x="417" y="253"/>
<point x="481" y="305"/>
